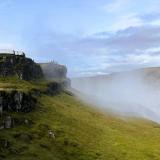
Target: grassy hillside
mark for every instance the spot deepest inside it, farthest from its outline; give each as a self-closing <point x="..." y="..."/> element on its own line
<point x="81" y="133"/>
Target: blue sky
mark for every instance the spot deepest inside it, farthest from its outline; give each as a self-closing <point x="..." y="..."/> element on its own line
<point x="89" y="36"/>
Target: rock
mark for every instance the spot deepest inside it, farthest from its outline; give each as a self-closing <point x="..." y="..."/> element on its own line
<point x="16" y="101"/>
<point x="56" y="87"/>
<point x="1" y="127"/>
<point x="8" y="122"/>
<point x="26" y="121"/>
<point x="53" y="88"/>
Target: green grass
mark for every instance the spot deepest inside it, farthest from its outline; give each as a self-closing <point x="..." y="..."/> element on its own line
<point x="10" y="83"/>
<point x="82" y="133"/>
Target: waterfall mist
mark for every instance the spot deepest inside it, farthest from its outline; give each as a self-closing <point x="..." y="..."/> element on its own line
<point x="133" y="93"/>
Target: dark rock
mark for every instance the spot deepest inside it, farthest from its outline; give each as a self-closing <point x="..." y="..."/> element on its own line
<point x="17" y="101"/>
<point x="53" y="88"/>
<point x="1" y="127"/>
<point x="19" y="65"/>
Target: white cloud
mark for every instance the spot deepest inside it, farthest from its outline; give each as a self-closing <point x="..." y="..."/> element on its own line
<point x="123" y="22"/>
<point x="126" y="49"/>
<point x="5" y="3"/>
<point x="155" y="22"/>
<point x="152" y="49"/>
<point x="115" y="6"/>
<point x="144" y="59"/>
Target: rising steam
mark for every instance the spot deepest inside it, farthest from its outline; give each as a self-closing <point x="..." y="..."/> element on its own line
<point x="133" y="93"/>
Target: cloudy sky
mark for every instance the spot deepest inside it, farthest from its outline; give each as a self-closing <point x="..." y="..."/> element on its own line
<point x="89" y="36"/>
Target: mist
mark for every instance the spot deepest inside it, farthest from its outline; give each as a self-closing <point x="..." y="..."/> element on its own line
<point x="132" y="93"/>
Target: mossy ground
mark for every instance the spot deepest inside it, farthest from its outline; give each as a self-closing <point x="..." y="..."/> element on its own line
<point x="14" y="83"/>
<point x="81" y="132"/>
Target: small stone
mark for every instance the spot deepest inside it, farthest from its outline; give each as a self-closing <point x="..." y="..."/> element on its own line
<point x="26" y="121"/>
<point x="8" y="122"/>
<point x="1" y="127"/>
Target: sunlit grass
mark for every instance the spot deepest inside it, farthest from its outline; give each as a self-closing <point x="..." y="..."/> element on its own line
<point x="82" y="133"/>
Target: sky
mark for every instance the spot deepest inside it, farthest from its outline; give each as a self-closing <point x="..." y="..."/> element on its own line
<point x="90" y="37"/>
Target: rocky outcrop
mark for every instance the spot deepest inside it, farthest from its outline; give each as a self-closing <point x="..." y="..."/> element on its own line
<point x="19" y="100"/>
<point x="54" y="88"/>
<point x="53" y="70"/>
<point x="19" y="65"/>
<point x="56" y="72"/>
<point x="16" y="101"/>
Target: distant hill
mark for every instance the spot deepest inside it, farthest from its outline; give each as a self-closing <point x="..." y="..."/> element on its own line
<point x="151" y="74"/>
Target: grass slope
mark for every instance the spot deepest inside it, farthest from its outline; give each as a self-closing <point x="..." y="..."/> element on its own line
<point x="82" y="133"/>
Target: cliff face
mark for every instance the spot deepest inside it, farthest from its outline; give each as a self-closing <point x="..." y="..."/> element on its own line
<point x="19" y="65"/>
<point x="16" y="101"/>
<point x="20" y="95"/>
<point x="26" y="69"/>
<point x="53" y="70"/>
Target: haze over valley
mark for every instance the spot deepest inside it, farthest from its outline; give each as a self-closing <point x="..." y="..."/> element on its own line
<point x="132" y="93"/>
